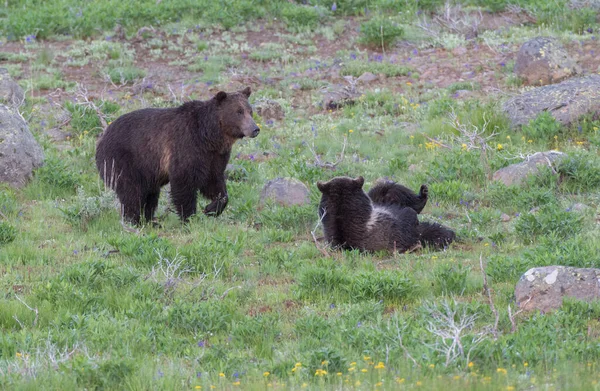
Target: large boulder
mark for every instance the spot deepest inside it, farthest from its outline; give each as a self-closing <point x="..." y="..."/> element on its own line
<point x="516" y="173"/>
<point x="19" y="152"/>
<point x="543" y="288"/>
<point x="285" y="191"/>
<point x="269" y="109"/>
<point x="11" y="93"/>
<point x="566" y="101"/>
<point x="544" y="60"/>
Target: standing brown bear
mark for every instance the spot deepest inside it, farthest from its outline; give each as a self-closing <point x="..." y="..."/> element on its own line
<point x="188" y="146"/>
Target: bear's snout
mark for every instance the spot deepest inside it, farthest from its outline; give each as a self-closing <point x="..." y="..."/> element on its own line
<point x="255" y="132"/>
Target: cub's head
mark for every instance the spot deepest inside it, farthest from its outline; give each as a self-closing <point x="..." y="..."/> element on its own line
<point x="341" y="185"/>
<point x="235" y="114"/>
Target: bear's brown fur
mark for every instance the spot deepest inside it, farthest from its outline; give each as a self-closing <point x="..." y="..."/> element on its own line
<point x="188" y="146"/>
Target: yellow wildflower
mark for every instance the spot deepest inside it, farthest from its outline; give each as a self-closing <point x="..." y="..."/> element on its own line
<point x="526" y="364"/>
<point x="237" y="383"/>
<point x="379" y="365"/>
<point x="470" y="364"/>
<point x="378" y="384"/>
<point x="418" y="384"/>
<point x="366" y="358"/>
<point x="266" y="374"/>
<point x="298" y="364"/>
<point x="408" y="83"/>
<point x="324" y="362"/>
<point x="456" y="377"/>
<point x="510" y="388"/>
<point x="350" y="131"/>
<point x="198" y="387"/>
<point x="400" y="380"/>
<point x="499" y="147"/>
<point x="431" y="366"/>
<point x="353" y="363"/>
<point x="357" y="383"/>
<point x="501" y="370"/>
<point x="364" y="370"/>
<point x="221" y="374"/>
<point x="351" y="369"/>
<point x="339" y="373"/>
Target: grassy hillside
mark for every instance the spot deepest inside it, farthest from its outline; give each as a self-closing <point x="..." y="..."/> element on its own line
<point x="249" y="300"/>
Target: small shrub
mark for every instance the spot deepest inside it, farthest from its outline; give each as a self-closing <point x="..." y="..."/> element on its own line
<point x="451" y="278"/>
<point x="86" y="208"/>
<point x="358" y="67"/>
<point x="56" y="173"/>
<point x="380" y="32"/>
<point x="301" y="16"/>
<point x="8" y="233"/>
<point x="543" y="127"/>
<point x="580" y="172"/>
<point x="125" y="74"/>
<point x="548" y="220"/>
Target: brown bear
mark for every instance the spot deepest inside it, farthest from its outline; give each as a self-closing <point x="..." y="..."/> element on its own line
<point x="388" y="193"/>
<point x="351" y="220"/>
<point x="188" y="146"/>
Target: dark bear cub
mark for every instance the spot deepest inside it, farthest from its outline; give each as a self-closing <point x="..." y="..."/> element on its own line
<point x="388" y="193"/>
<point x="392" y="193"/>
<point x="188" y="146"/>
<point x="351" y="221"/>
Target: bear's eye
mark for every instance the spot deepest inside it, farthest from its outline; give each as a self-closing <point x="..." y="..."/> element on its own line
<point x="240" y="111"/>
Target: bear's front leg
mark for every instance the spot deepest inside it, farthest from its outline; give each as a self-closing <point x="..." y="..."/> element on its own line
<point x="219" y="197"/>
<point x="184" y="198"/>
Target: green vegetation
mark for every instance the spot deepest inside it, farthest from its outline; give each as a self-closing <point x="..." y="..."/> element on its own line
<point x="250" y="300"/>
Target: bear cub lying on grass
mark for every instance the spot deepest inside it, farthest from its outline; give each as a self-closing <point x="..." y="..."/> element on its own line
<point x="188" y="146"/>
<point x="353" y="220"/>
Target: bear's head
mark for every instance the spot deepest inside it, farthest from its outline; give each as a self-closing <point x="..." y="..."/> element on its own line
<point x="235" y="114"/>
<point x="341" y="186"/>
<point x="342" y="195"/>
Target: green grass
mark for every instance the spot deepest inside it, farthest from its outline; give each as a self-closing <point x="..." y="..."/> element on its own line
<point x="248" y="300"/>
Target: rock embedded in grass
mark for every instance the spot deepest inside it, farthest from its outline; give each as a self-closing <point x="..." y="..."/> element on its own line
<point x="11" y="93"/>
<point x="516" y="173"/>
<point x="543" y="288"/>
<point x="269" y="109"/>
<point x="19" y="151"/>
<point x="567" y="101"/>
<point x="543" y="60"/>
<point x="285" y="192"/>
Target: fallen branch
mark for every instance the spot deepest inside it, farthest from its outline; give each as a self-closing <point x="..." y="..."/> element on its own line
<point x="436" y="142"/>
<point x="512" y="317"/>
<point x="35" y="310"/>
<point x="229" y="289"/>
<point x="321" y="250"/>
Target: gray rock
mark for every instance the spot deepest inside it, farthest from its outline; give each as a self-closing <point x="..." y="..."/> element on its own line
<point x="543" y="288"/>
<point x="579" y="207"/>
<point x="236" y="173"/>
<point x="19" y="152"/>
<point x="544" y="60"/>
<point x="269" y="109"/>
<point x="367" y="77"/>
<point x="338" y="96"/>
<point x="566" y="101"/>
<point x="504" y="218"/>
<point x="11" y="93"/>
<point x="285" y="191"/>
<point x="516" y="173"/>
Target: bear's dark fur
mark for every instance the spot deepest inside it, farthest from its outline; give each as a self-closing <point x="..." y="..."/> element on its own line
<point x="392" y="193"/>
<point x="351" y="220"/>
<point x="188" y="146"/>
<point x="388" y="193"/>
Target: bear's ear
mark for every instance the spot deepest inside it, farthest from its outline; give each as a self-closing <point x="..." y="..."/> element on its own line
<point x="360" y="181"/>
<point x="322" y="186"/>
<point x="246" y="91"/>
<point x="220" y="97"/>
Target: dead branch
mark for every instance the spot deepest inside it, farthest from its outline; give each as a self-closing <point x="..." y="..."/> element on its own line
<point x="35" y="310"/>
<point x="82" y="94"/>
<point x="329" y="165"/>
<point x="436" y="142"/>
<point x="229" y="289"/>
<point x="321" y="250"/>
<point x="512" y="316"/>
